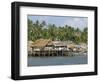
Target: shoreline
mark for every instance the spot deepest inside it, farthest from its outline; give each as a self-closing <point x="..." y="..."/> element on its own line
<point x="60" y="53"/>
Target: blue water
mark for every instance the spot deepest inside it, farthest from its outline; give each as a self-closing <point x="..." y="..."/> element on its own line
<point x="60" y="60"/>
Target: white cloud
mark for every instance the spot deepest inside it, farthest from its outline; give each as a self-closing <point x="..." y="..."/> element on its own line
<point x="79" y="22"/>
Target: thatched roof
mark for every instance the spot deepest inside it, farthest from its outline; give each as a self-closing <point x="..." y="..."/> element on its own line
<point x="40" y="43"/>
<point x="71" y="45"/>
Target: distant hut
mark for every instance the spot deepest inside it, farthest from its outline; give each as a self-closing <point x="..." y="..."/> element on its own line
<point x="29" y="46"/>
<point x="59" y="45"/>
<point x="77" y="47"/>
<point x="84" y="47"/>
<point x="71" y="47"/>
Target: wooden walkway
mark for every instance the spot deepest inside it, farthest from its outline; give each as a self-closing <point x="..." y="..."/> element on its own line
<point x="53" y="53"/>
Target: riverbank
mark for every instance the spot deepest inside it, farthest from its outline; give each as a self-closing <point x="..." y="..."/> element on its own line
<point x="56" y="53"/>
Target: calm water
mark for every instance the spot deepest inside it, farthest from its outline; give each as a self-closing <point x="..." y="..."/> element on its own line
<point x="60" y="60"/>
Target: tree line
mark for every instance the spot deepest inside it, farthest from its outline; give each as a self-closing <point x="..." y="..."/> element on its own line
<point x="37" y="30"/>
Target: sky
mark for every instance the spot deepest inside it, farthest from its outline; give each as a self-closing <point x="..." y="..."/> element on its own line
<point x="80" y="22"/>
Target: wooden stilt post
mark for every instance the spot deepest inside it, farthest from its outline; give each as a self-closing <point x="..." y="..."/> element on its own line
<point x="49" y="52"/>
<point x="62" y="52"/>
<point x="32" y="51"/>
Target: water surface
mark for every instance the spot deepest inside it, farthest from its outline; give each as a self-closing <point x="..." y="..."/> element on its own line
<point x="57" y="60"/>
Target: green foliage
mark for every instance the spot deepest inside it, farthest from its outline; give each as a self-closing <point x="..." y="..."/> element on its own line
<point x="37" y="30"/>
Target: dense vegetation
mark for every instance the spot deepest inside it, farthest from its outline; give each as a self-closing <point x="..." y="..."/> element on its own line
<point x="37" y="30"/>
